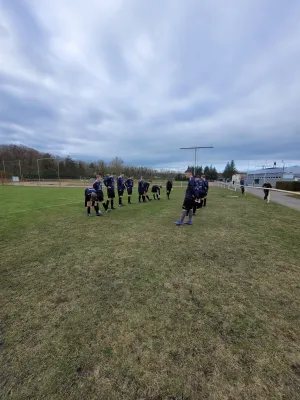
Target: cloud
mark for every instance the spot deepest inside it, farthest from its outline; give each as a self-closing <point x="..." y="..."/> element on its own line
<point x="142" y="79"/>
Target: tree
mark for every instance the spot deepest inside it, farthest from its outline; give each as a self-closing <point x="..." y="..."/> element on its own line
<point x="229" y="170"/>
<point x="116" y="165"/>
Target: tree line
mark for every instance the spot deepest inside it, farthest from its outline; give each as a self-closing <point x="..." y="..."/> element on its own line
<point x="28" y="163"/>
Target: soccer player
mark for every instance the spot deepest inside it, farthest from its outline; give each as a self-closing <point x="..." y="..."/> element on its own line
<point x="109" y="182"/>
<point x="91" y="198"/>
<point x="97" y="186"/>
<point x="146" y="188"/>
<point x="169" y="186"/>
<point x="199" y="193"/>
<point x="206" y="186"/>
<point x="141" y="190"/>
<point x="242" y="184"/>
<point x="156" y="192"/>
<point x="266" y="191"/>
<point x="121" y="187"/>
<point x="129" y="185"/>
<point x="187" y="207"/>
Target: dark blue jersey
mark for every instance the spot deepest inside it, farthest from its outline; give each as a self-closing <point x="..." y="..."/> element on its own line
<point x="109" y="182"/>
<point x="129" y="183"/>
<point x="120" y="183"/>
<point x="169" y="185"/>
<point x="89" y="190"/>
<point x="190" y="190"/>
<point x="141" y="186"/>
<point x="242" y="182"/>
<point x="205" y="184"/>
<point x="97" y="186"/>
<point x="199" y="188"/>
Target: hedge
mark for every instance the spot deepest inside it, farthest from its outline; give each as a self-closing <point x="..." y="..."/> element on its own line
<point x="293" y="186"/>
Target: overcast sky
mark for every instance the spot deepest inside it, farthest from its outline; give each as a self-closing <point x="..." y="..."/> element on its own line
<point x="141" y="78"/>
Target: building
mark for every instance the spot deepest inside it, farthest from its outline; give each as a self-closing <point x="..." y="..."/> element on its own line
<point x="272" y="175"/>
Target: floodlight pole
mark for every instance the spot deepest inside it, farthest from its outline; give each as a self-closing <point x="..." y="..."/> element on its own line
<point x="195" y="149"/>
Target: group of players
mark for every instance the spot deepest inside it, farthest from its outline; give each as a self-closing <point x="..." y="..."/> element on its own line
<point x="95" y="195"/>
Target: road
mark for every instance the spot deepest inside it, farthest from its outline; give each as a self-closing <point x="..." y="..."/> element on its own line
<point x="278" y="197"/>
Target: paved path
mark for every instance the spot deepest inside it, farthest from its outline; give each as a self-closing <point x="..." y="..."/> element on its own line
<point x="278" y="197"/>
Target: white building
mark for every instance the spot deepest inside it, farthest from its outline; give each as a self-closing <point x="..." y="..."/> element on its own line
<point x="272" y="175"/>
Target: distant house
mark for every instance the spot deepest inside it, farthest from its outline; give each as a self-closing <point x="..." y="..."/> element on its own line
<point x="272" y="175"/>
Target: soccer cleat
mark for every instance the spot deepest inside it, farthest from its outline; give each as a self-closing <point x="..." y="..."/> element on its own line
<point x="99" y="214"/>
<point x="108" y="210"/>
<point x="188" y="223"/>
<point x="90" y="215"/>
<point x="178" y="223"/>
<point x="113" y="208"/>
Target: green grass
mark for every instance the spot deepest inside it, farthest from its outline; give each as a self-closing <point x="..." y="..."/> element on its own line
<point x="129" y="306"/>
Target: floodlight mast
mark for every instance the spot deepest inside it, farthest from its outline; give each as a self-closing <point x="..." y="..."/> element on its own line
<point x="195" y="149"/>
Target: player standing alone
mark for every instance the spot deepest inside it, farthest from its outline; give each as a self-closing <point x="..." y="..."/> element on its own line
<point x="129" y="185"/>
<point x="109" y="182"/>
<point x="169" y="186"/>
<point x="187" y="207"/>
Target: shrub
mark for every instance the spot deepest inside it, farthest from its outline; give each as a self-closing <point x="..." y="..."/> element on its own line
<point x="292" y="186"/>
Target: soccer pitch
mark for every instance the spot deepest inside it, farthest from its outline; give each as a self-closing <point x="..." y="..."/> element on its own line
<point x="129" y="306"/>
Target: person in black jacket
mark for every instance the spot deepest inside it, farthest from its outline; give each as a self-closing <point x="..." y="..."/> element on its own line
<point x="169" y="186"/>
<point x="156" y="191"/>
<point x="266" y="192"/>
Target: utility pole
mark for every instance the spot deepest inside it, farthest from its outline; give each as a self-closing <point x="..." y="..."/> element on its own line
<point x="195" y="150"/>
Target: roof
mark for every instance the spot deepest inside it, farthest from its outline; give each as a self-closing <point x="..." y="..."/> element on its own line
<point x="293" y="170"/>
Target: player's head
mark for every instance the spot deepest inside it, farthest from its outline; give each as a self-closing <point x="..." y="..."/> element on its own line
<point x="150" y="182"/>
<point x="131" y="176"/>
<point x="197" y="177"/>
<point x="188" y="173"/>
<point x="98" y="178"/>
<point x="94" y="196"/>
<point x="203" y="177"/>
<point x="121" y="174"/>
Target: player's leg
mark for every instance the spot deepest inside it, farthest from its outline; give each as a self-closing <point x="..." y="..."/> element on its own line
<point x="88" y="204"/>
<point x="129" y="192"/>
<point x="184" y="212"/>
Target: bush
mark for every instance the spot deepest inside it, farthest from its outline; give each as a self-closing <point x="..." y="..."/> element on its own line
<point x="292" y="186"/>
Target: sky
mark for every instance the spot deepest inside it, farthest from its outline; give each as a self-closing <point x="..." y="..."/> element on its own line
<point x="141" y="79"/>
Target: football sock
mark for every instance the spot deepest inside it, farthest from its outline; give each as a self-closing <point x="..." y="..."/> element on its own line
<point x="194" y="208"/>
<point x="112" y="203"/>
<point x="105" y="206"/>
<point x="89" y="210"/>
<point x="129" y="200"/>
<point x="140" y="198"/>
<point x="190" y="215"/>
<point x="183" y="215"/>
<point x="120" y="201"/>
<point x="144" y="199"/>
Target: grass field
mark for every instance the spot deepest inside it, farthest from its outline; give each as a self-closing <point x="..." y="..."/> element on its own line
<point x="129" y="306"/>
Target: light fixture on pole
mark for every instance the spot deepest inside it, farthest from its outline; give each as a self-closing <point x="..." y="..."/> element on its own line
<point x="195" y="149"/>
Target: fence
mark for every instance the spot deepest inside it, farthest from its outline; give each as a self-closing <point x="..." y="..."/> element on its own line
<point x="235" y="187"/>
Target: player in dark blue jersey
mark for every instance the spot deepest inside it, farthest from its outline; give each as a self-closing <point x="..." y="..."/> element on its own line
<point x="90" y="196"/>
<point x="206" y="187"/>
<point x="121" y="187"/>
<point x="109" y="182"/>
<point x="129" y="183"/>
<point x="141" y="190"/>
<point x="146" y="188"/>
<point x="156" y="191"/>
<point x="189" y="198"/>
<point x="200" y="193"/>
<point x="169" y="186"/>
<point x="97" y="185"/>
